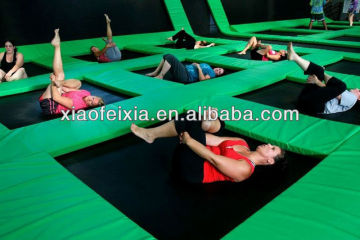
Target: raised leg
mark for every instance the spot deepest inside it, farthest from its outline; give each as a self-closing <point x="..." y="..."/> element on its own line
<point x="165" y="68"/>
<point x="72" y="84"/>
<point x="57" y="61"/>
<point x="157" y="70"/>
<point x="179" y="35"/>
<point x="108" y="28"/>
<point x="265" y="50"/>
<point x="252" y="43"/>
<point x="292" y="56"/>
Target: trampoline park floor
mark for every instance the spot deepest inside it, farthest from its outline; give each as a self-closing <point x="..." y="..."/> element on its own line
<point x="127" y="188"/>
<point x="346" y="67"/>
<point x="33" y="69"/>
<point x="137" y="178"/>
<point x="347" y="38"/>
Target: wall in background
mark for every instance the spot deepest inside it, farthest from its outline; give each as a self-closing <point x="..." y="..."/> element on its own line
<point x="28" y="22"/>
<point x="244" y="11"/>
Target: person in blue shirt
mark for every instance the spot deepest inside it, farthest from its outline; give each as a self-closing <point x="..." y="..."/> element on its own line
<point x="317" y="12"/>
<point x="322" y="93"/>
<point x="179" y="72"/>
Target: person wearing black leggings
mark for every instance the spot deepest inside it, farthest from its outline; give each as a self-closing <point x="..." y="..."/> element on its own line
<point x="202" y="157"/>
<point x="322" y="93"/>
<point x="184" y="40"/>
<point x="172" y="69"/>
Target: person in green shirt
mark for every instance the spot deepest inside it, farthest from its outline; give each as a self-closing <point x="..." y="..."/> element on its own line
<point x="317" y="12"/>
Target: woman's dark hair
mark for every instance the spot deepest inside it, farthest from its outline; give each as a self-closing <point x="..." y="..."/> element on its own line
<point x="203" y="43"/>
<point x="280" y="156"/>
<point x="12" y="42"/>
<point x="283" y="57"/>
<point x="92" y="54"/>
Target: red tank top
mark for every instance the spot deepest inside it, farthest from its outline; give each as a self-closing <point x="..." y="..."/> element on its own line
<point x="211" y="174"/>
<point x="272" y="52"/>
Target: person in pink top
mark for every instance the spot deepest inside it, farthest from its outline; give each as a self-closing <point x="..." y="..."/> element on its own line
<point x="64" y="94"/>
<point x="263" y="52"/>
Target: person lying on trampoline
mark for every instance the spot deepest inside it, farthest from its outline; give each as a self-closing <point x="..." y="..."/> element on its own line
<point x="64" y="94"/>
<point x="263" y="52"/>
<point x="322" y="93"/>
<point x="202" y="157"/>
<point x="110" y="52"/>
<point x="11" y="64"/>
<point x="184" y="73"/>
<point x="184" y="40"/>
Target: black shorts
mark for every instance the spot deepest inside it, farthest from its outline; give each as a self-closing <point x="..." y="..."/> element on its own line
<point x="317" y="17"/>
<point x="255" y="55"/>
<point x="187" y="165"/>
<point x="178" y="72"/>
<point x="317" y="70"/>
<point x="48" y="106"/>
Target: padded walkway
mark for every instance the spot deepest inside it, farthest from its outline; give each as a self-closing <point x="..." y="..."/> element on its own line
<point x="39" y="199"/>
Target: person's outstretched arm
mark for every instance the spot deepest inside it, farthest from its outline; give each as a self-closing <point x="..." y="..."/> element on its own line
<point x="206" y="46"/>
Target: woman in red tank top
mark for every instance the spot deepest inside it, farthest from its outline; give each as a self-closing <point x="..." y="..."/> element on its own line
<point x="204" y="158"/>
<point x="64" y="94"/>
<point x="263" y="52"/>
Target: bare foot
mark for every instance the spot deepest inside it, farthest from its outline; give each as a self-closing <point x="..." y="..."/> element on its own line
<point x="291" y="52"/>
<point x="107" y="18"/>
<point x="142" y="133"/>
<point x="242" y="52"/>
<point x="152" y="74"/>
<point x="159" y="77"/>
<point x="170" y="39"/>
<point x="311" y="79"/>
<point x="56" y="40"/>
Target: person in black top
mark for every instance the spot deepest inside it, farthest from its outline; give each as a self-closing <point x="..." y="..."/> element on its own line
<point x="184" y="40"/>
<point x="11" y="64"/>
